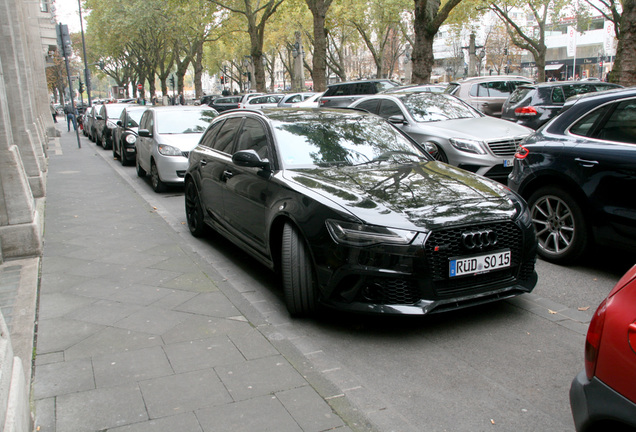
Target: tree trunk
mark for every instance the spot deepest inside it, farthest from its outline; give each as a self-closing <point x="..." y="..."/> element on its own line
<point x="319" y="70"/>
<point x="198" y="71"/>
<point x="624" y="71"/>
<point x="422" y="55"/>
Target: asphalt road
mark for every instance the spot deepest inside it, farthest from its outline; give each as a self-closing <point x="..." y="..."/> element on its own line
<point x="501" y="367"/>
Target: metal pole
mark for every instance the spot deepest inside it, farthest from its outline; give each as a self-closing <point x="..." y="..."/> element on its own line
<point x="87" y="74"/>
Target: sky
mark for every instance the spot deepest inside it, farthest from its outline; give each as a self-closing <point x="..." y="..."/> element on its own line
<point x="67" y="12"/>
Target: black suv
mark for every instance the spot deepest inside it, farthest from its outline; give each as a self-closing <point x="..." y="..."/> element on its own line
<point x="578" y="174"/>
<point x="533" y="105"/>
<point x="345" y="93"/>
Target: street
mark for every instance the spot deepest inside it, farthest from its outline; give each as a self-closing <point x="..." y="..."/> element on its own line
<point x="500" y="367"/>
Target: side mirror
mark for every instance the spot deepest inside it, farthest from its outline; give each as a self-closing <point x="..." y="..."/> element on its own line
<point x="144" y="133"/>
<point x="397" y="119"/>
<point x="119" y="123"/>
<point x="249" y="158"/>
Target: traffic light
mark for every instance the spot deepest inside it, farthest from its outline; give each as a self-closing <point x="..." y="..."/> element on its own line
<point x="171" y="79"/>
<point x="81" y="87"/>
<point x="222" y="78"/>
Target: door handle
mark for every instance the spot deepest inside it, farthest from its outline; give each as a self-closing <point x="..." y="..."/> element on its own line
<point x="204" y="162"/>
<point x="586" y="163"/>
<point x="227" y="174"/>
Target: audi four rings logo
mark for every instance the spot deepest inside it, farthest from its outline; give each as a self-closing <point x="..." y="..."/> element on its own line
<point x="479" y="239"/>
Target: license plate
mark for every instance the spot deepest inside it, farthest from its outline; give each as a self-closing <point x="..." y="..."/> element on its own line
<point x="507" y="163"/>
<point x="479" y="263"/>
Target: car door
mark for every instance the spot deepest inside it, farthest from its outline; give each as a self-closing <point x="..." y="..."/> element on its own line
<point x="606" y="164"/>
<point x="213" y="165"/>
<point x="248" y="189"/>
<point x="144" y="144"/>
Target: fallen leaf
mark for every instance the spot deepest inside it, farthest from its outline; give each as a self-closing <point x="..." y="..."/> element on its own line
<point x="492" y="421"/>
<point x="552" y="312"/>
<point x="584" y="308"/>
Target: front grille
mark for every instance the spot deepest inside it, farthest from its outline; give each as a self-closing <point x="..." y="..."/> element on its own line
<point x="506" y="147"/>
<point x="449" y="245"/>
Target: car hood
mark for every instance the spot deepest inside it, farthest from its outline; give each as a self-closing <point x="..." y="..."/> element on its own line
<point x="485" y="128"/>
<point x="185" y="142"/>
<point x="414" y="197"/>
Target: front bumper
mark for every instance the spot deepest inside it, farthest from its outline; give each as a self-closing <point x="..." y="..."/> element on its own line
<point x="594" y="403"/>
<point x="415" y="280"/>
<point x="171" y="168"/>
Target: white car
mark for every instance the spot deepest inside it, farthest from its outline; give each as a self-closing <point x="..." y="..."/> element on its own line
<point x="263" y="101"/>
<point x="310" y="102"/>
<point x="165" y="137"/>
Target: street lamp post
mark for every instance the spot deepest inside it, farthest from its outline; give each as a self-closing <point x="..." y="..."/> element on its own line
<point x="87" y="75"/>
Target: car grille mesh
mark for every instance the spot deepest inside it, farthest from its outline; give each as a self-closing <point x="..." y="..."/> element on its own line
<point x="506" y="147"/>
<point x="449" y="242"/>
<point x="391" y="291"/>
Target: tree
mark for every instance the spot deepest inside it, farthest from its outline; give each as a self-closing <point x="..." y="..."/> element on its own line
<point x="256" y="15"/>
<point x="624" y="72"/>
<point x="319" y="9"/>
<point x="428" y="18"/>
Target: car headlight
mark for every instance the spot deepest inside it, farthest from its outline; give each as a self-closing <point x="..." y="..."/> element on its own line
<point x="130" y="139"/>
<point x="167" y="150"/>
<point x="468" y="145"/>
<point x="354" y="234"/>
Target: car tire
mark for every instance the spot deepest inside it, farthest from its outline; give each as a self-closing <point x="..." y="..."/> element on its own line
<point x="105" y="144"/>
<point x="439" y="154"/>
<point x="115" y="155"/>
<point x="140" y="171"/>
<point x="157" y="184"/>
<point x="122" y="157"/>
<point x="194" y="211"/>
<point x="297" y="274"/>
<point x="562" y="232"/>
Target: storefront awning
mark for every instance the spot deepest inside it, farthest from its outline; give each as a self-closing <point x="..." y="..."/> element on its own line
<point x="554" y="66"/>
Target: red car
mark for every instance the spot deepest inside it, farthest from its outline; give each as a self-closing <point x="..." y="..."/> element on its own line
<point x="603" y="396"/>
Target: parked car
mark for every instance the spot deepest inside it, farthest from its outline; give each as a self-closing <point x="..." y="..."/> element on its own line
<point x="105" y="121"/>
<point x="206" y="99"/>
<point x="603" y="395"/>
<point x="245" y="98"/>
<point x="310" y="102"/>
<point x="414" y="88"/>
<point x="486" y="93"/>
<point x="125" y="134"/>
<point x="345" y="93"/>
<point x="292" y="98"/>
<point x="263" y="101"/>
<point x="578" y="172"/>
<point x="355" y="215"/>
<point x="165" y="137"/>
<point x="533" y="105"/>
<point x="451" y="130"/>
<point x="89" y="122"/>
<point x="225" y="103"/>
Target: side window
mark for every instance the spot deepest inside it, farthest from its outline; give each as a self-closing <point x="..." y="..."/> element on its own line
<point x="557" y="95"/>
<point x="341" y="90"/>
<point x="294" y="99"/>
<point x="389" y="108"/>
<point x="369" y="105"/>
<point x="585" y="126"/>
<point x="143" y="123"/>
<point x="498" y="89"/>
<point x="621" y="125"/>
<point x="226" y="135"/>
<point x="253" y="137"/>
<point x="478" y="90"/>
<point x="207" y="140"/>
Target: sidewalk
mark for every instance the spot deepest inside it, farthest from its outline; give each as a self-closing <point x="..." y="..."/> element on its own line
<point x="133" y="332"/>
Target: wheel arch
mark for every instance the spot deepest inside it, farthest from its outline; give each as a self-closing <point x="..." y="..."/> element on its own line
<point x="558" y="181"/>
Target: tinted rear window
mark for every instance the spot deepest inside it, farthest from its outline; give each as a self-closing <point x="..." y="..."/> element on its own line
<point x="519" y="94"/>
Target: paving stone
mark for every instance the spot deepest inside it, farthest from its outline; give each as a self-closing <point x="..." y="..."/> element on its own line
<point x="183" y="393"/>
<point x="264" y="413"/>
<point x="104" y="312"/>
<point x="259" y="377"/>
<point x="211" y="304"/>
<point x="253" y="344"/>
<point x="152" y="320"/>
<point x="111" y="340"/>
<point x="59" y="334"/>
<point x="203" y="354"/>
<point x="200" y="327"/>
<point x="100" y="409"/>
<point x="130" y="366"/>
<point x="309" y="410"/>
<point x="59" y="304"/>
<point x="178" y="423"/>
<point x="60" y="378"/>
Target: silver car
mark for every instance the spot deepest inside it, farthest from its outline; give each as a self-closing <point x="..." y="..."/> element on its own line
<point x="166" y="136"/>
<point x="451" y="130"/>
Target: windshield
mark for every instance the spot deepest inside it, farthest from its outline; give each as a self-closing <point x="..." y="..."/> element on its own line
<point x="133" y="117"/>
<point x="184" y="121"/>
<point x="430" y="107"/>
<point x="307" y="140"/>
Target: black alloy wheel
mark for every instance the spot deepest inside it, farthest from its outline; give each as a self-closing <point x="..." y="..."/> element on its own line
<point x="439" y="154"/>
<point x="194" y="211"/>
<point x="561" y="228"/>
<point x="299" y="282"/>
